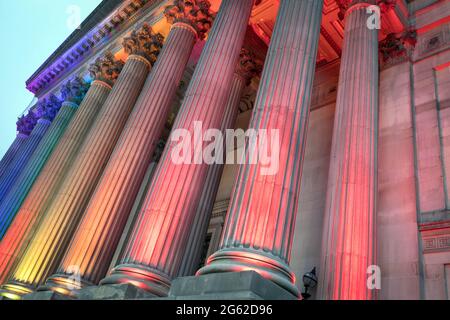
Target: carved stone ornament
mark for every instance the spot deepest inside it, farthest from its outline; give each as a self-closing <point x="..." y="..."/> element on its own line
<point x="248" y="67"/>
<point x="74" y="90"/>
<point x="144" y="42"/>
<point x="195" y="13"/>
<point x="385" y="5"/>
<point x="106" y="69"/>
<point x="48" y="108"/>
<point x="26" y="123"/>
<point x="395" y="47"/>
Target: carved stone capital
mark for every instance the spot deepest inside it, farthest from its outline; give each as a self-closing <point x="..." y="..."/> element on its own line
<point x="48" y="108"/>
<point x="106" y="69"/>
<point x="195" y="13"/>
<point x="248" y="66"/>
<point x="74" y="90"/>
<point x="345" y="5"/>
<point x="26" y="123"/>
<point x="145" y="43"/>
<point x="396" y="48"/>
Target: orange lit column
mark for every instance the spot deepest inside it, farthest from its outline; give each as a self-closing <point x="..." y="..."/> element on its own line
<point x="246" y="70"/>
<point x="104" y="73"/>
<point x="348" y="245"/>
<point x="96" y="239"/>
<point x="155" y="248"/>
<point x="72" y="93"/>
<point x="52" y="237"/>
<point x="45" y="111"/>
<point x="259" y="227"/>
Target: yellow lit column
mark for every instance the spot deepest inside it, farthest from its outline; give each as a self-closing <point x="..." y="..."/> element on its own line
<point x="53" y="235"/>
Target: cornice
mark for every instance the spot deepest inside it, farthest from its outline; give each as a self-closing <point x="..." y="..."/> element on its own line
<point x="62" y="62"/>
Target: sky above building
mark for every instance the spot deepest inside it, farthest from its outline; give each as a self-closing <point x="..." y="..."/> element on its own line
<point x="30" y="30"/>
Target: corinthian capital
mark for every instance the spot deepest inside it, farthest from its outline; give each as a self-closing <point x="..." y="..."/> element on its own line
<point x="248" y="67"/>
<point x="385" y="5"/>
<point x="48" y="108"/>
<point x="74" y="90"/>
<point x="195" y="13"/>
<point x="106" y="69"/>
<point x="26" y="123"/>
<point x="144" y="42"/>
<point x="398" y="47"/>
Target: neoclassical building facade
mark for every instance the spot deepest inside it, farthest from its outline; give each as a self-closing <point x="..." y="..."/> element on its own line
<point x="93" y="205"/>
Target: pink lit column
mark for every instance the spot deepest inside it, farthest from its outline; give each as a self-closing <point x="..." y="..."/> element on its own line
<point x="155" y="249"/>
<point x="96" y="239"/>
<point x="348" y="245"/>
<point x="259" y="227"/>
<point x="247" y="68"/>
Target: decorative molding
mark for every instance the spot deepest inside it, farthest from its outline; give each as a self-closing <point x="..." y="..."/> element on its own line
<point x="74" y="90"/>
<point x="145" y="43"/>
<point x="106" y="69"/>
<point x="195" y="13"/>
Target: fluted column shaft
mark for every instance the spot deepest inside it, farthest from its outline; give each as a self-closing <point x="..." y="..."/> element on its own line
<point x="52" y="237"/>
<point x="348" y="246"/>
<point x="96" y="239"/>
<point x="199" y="228"/>
<point x="22" y="157"/>
<point x="259" y="227"/>
<point x="30" y="207"/>
<point x="155" y="249"/>
<point x="18" y="191"/>
<point x="11" y="152"/>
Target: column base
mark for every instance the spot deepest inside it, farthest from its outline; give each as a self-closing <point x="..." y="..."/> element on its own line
<point x="147" y="279"/>
<point x="246" y="285"/>
<point x="65" y="285"/>
<point x="15" y="290"/>
<point x="113" y="292"/>
<point x="229" y="260"/>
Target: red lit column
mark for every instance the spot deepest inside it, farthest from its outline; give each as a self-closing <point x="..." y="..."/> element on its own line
<point x="52" y="237"/>
<point x="348" y="245"/>
<point x="259" y="227"/>
<point x="30" y="210"/>
<point x="96" y="239"/>
<point x="155" y="248"/>
<point x="246" y="70"/>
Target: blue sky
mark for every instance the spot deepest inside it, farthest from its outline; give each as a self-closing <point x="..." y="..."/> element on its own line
<point x="30" y="30"/>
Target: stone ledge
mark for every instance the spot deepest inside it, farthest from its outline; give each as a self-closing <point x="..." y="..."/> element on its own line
<point x="247" y="285"/>
<point x="113" y="292"/>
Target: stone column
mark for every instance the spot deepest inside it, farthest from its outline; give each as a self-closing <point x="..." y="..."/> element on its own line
<point x="104" y="72"/>
<point x="259" y="227"/>
<point x="52" y="237"/>
<point x="96" y="239"/>
<point x="45" y="111"/>
<point x="247" y="68"/>
<point x="348" y="245"/>
<point x="73" y="93"/>
<point x="155" y="249"/>
<point x="12" y="150"/>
